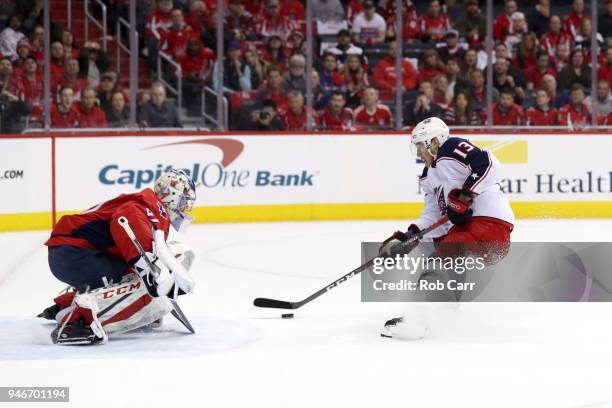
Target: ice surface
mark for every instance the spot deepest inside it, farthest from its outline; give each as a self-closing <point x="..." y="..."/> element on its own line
<point x="330" y="354"/>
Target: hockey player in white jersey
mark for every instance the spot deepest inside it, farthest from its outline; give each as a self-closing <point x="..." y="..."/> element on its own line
<point x="459" y="180"/>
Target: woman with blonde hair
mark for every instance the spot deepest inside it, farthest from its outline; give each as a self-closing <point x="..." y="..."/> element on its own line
<point x="356" y="80"/>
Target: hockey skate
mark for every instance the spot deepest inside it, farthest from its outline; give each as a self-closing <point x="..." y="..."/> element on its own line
<point x="50" y="312"/>
<point x="74" y="334"/>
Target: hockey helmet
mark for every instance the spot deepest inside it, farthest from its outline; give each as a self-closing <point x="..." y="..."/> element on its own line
<point x="426" y="130"/>
<point x="176" y="190"/>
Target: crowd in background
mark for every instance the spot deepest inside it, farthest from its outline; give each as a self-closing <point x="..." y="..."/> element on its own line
<point x="541" y="64"/>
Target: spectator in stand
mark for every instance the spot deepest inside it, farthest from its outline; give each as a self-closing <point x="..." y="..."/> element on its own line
<point x="239" y="22"/>
<point x="469" y="63"/>
<point x="503" y="23"/>
<point x="431" y="66"/>
<point x="409" y="22"/>
<point x="344" y="47"/>
<point x="295" y="78"/>
<point x="424" y="106"/>
<point x="506" y="112"/>
<point x="369" y="27"/>
<point x="90" y="115"/>
<point x="385" y="75"/>
<point x="583" y="41"/>
<point x="517" y="30"/>
<point x="575" y="72"/>
<point x="336" y="117"/>
<point x="10" y="37"/>
<point x="6" y="71"/>
<point x="571" y="21"/>
<point x="259" y="67"/>
<point x="433" y="25"/>
<point x="441" y="92"/>
<point x="274" y="54"/>
<point x="356" y="80"/>
<point x="271" y="22"/>
<point x="294" y="43"/>
<point x="554" y="36"/>
<point x="473" y="25"/>
<point x="197" y="68"/>
<point x="353" y="9"/>
<point x="535" y="74"/>
<point x="158" y="112"/>
<point x="295" y="117"/>
<point x="455" y="82"/>
<point x="605" y="69"/>
<point x="331" y="79"/>
<point x="502" y="79"/>
<point x="575" y="114"/>
<point x="266" y="118"/>
<point x="37" y="43"/>
<point x="460" y="113"/>
<point x="292" y="10"/>
<point x="173" y="40"/>
<point x="372" y="115"/>
<point x="477" y="92"/>
<point x="65" y="114"/>
<point x="12" y="113"/>
<point x="118" y="112"/>
<point x="319" y="100"/>
<point x="452" y="49"/>
<point x="159" y="19"/>
<point x="71" y="79"/>
<point x="561" y="57"/>
<point x="24" y="50"/>
<point x="601" y="105"/>
<point x="92" y="62"/>
<point x="556" y="99"/>
<point x="28" y="87"/>
<point x="327" y="10"/>
<point x="236" y="72"/>
<point x="198" y="15"/>
<point x="58" y="58"/>
<point x="539" y="18"/>
<point x="109" y="83"/>
<point x="526" y="52"/>
<point x="274" y="89"/>
<point x="68" y="42"/>
<point x="542" y="114"/>
<point x="604" y="21"/>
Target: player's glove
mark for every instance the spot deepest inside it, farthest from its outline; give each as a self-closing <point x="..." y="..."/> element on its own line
<point x="391" y="245"/>
<point x="458" y="206"/>
<point x="159" y="280"/>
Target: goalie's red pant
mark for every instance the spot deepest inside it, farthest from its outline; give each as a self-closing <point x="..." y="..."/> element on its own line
<point x="481" y="236"/>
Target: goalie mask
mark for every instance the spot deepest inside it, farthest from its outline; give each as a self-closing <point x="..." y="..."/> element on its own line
<point x="176" y="190"/>
<point x="426" y="131"/>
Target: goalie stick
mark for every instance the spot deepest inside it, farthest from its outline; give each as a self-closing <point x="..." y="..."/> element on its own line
<point x="176" y="310"/>
<point x="282" y="304"/>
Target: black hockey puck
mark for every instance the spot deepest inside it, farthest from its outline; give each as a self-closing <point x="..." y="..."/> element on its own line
<point x="287" y="316"/>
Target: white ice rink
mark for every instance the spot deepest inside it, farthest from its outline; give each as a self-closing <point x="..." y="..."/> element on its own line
<point x="330" y="354"/>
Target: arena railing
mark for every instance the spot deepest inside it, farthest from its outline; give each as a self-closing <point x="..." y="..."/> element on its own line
<point x="101" y="25"/>
<point x="214" y="120"/>
<point x="178" y="73"/>
<point x="120" y="45"/>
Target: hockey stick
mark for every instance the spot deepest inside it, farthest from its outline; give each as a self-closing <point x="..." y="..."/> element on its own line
<point x="282" y="304"/>
<point x="176" y="310"/>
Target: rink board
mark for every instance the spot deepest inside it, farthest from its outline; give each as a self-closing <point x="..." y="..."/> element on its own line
<point x="290" y="177"/>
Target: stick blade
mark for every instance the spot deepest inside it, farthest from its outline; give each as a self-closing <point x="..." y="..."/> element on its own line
<point x="273" y="303"/>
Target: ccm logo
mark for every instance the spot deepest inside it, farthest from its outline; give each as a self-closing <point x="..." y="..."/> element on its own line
<point x="121" y="290"/>
<point x="454" y="206"/>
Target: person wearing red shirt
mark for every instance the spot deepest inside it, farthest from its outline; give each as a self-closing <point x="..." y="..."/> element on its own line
<point x="575" y="114"/>
<point x="432" y="66"/>
<point x="541" y="114"/>
<point x="554" y="36"/>
<point x="503" y="23"/>
<point x="336" y="117"/>
<point x="90" y="115"/>
<point x="385" y="75"/>
<point x="535" y="74"/>
<point x="65" y="114"/>
<point x="371" y="114"/>
<point x="197" y="61"/>
<point x="28" y="87"/>
<point x="274" y="89"/>
<point x="295" y="117"/>
<point x="70" y="79"/>
<point x="354" y="8"/>
<point x="505" y="111"/>
<point x="605" y="69"/>
<point x="409" y="21"/>
<point x="159" y="19"/>
<point x="58" y="58"/>
<point x="434" y="24"/>
<point x="239" y="22"/>
<point x="272" y="22"/>
<point x="173" y="41"/>
<point x="571" y="21"/>
<point x="197" y="15"/>
<point x="292" y="10"/>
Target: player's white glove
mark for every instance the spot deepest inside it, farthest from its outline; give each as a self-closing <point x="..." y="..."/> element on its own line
<point x="392" y="244"/>
<point x="158" y="280"/>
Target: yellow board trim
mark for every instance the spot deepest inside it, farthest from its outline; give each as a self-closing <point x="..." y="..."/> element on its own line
<point x="322" y="212"/>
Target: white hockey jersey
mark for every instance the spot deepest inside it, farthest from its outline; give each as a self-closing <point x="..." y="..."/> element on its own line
<point x="460" y="164"/>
